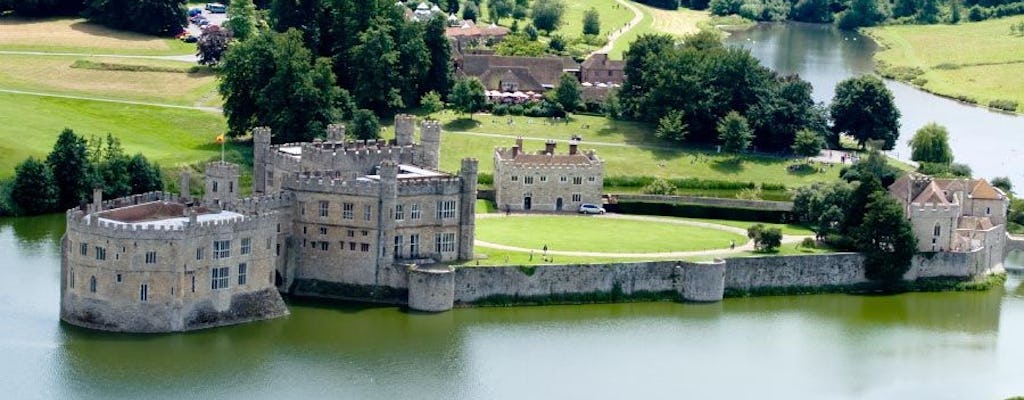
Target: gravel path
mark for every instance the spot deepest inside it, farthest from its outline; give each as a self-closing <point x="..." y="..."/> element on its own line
<point x="637" y="17"/>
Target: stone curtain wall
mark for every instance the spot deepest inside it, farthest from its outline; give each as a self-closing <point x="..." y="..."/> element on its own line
<point x="710" y="201"/>
<point x="794" y="271"/>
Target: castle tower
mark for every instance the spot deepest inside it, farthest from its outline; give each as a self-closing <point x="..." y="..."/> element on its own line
<point x="467" y="208"/>
<point x="430" y="145"/>
<point x="405" y="127"/>
<point x="260" y="158"/>
<point x="221" y="182"/>
<point x="336" y="133"/>
<point x="184" y="191"/>
<point x="388" y="171"/>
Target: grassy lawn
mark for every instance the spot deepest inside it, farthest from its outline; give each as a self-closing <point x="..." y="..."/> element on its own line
<point x="683" y="21"/>
<point x="586" y="233"/>
<point x="980" y="60"/>
<point x="645" y="26"/>
<point x="168" y="136"/>
<point x="787" y="229"/>
<point x="86" y="77"/>
<point x="492" y="257"/>
<point x="786" y="250"/>
<point x="80" y="36"/>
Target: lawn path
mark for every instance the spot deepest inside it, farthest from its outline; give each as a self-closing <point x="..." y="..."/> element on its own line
<point x="183" y="58"/>
<point x="137" y="103"/>
<point x="637" y="17"/>
<point x="748" y="246"/>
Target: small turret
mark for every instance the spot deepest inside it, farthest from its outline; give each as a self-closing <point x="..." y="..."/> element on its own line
<point x="405" y="127"/>
<point x="467" y="213"/>
<point x="184" y="189"/>
<point x="260" y="158"/>
<point x="221" y="183"/>
<point x="336" y="133"/>
<point x="97" y="199"/>
<point x="430" y="143"/>
<point x="549" y="147"/>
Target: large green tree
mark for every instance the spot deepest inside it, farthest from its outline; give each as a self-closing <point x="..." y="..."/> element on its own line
<point x="734" y="133"/>
<point x="468" y="95"/>
<point x="886" y="239"/>
<point x="568" y="92"/>
<point x="672" y="126"/>
<point x="591" y="22"/>
<point x="547" y="14"/>
<point x="144" y="176"/>
<point x="69" y="162"/>
<point x="154" y="17"/>
<point x="33" y="190"/>
<point x="864" y="109"/>
<point x="497" y="9"/>
<point x="931" y="145"/>
<point x="441" y="73"/>
<point x="807" y="143"/>
<point x="365" y="125"/>
<point x="114" y="169"/>
<point x="242" y="20"/>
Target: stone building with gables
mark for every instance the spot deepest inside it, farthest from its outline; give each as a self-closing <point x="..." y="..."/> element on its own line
<point x="545" y="180"/>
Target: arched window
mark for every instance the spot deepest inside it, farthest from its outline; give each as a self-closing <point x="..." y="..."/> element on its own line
<point x="937" y="231"/>
<point x="92" y="284"/>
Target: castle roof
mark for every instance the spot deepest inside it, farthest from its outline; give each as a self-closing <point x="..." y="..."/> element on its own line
<point x="932" y="194"/>
<point x="545" y="71"/>
<point x="161" y="213"/>
<point x="984" y="190"/>
<point x="922" y="188"/>
<point x="602" y="62"/>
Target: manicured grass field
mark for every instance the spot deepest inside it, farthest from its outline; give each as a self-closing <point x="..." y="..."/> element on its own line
<point x="787" y="229"/>
<point x="599" y="234"/>
<point x="56" y="74"/>
<point x="168" y="136"/>
<point x="980" y="60"/>
<point x="612" y="16"/>
<point x="683" y="21"/>
<point x="80" y="36"/>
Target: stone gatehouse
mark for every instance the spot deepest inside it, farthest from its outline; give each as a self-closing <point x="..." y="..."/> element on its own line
<point x="545" y="180"/>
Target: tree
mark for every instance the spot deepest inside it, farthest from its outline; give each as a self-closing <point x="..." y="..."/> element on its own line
<point x="886" y="239"/>
<point x="612" y="106"/>
<point x="928" y="13"/>
<point x="42" y="8"/>
<point x="861" y="13"/>
<point x="365" y="125"/>
<point x="497" y="9"/>
<point x="734" y="133"/>
<point x="807" y="143"/>
<point x="568" y="92"/>
<point x="591" y="22"/>
<point x="144" y="176"/>
<point x="530" y="31"/>
<point x="468" y="95"/>
<point x="153" y="17"/>
<point x="212" y="45"/>
<point x="864" y="109"/>
<point x="242" y="22"/>
<point x="765" y="239"/>
<point x="114" y="169"/>
<point x="431" y="103"/>
<point x="547" y="14"/>
<point x="70" y="163"/>
<point x="520" y="45"/>
<point x="672" y="126"/>
<point x="1003" y="183"/>
<point x="378" y="68"/>
<point x="470" y="10"/>
<point x="440" y="74"/>
<point x="33" y="190"/>
<point x="954" y="12"/>
<point x="557" y="43"/>
<point x="660" y="186"/>
<point x="931" y="144"/>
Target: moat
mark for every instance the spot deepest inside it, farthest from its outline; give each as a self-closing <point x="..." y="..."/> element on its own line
<point x="934" y="345"/>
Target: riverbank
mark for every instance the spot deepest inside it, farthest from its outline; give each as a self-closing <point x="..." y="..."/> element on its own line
<point x="974" y="62"/>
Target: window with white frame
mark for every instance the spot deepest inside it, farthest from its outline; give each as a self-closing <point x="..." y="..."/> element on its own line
<point x="144" y="292"/>
<point x="101" y="253"/>
<point x="577" y="180"/>
<point x="398" y="246"/>
<point x="364" y="247"/>
<point x="591" y="179"/>
<point x="92" y="284"/>
<point x="445" y="209"/>
<point x="324" y="245"/>
<point x="84" y="248"/>
<point x="245" y="247"/>
<point x="221" y="249"/>
<point x="543" y="178"/>
<point x="199" y="253"/>
<point x="414" y="211"/>
<point x="347" y="210"/>
<point x="399" y="212"/>
<point x="243" y="270"/>
<point x="414" y="245"/>
<point x="515" y="178"/>
<point x="563" y="179"/>
<point x="527" y="180"/>
<point x="444" y="243"/>
<point x="576" y="197"/>
<point x="323" y="230"/>
<point x="150" y="257"/>
<point x="367" y="212"/>
<point x="219" y="278"/>
<point x="325" y="208"/>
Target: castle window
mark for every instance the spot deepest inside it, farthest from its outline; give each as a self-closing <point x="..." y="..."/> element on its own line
<point x="193" y="283"/>
<point x="268" y="243"/>
<point x="364" y="247"/>
<point x="543" y="178"/>
<point x="446" y="209"/>
<point x="303" y="230"/>
<point x="527" y="180"/>
<point x="398" y="246"/>
<point x="71" y="279"/>
<point x="101" y="253"/>
<point x="577" y="180"/>
<point x="242" y="271"/>
<point x="323" y="245"/>
<point x="231" y="187"/>
<point x="515" y="178"/>
<point x="219" y="278"/>
<point x="563" y="179"/>
<point x="277" y="250"/>
<point x="215" y="186"/>
<point x="367" y="212"/>
<point x="246" y="246"/>
<point x="414" y="245"/>
<point x="92" y="284"/>
<point x="399" y="212"/>
<point x="150" y="257"/>
<point x="324" y="208"/>
<point x="988" y="210"/>
<point x="352" y="246"/>
<point x="937" y="231"/>
<point x="576" y="197"/>
<point x="365" y="232"/>
<point x="119" y="278"/>
<point x="444" y="243"/>
<point x="84" y="248"/>
<point x="278" y="228"/>
<point x="144" y="292"/>
<point x="323" y="230"/>
<point x="347" y="210"/>
<point x="199" y="253"/>
<point x="302" y="207"/>
<point x="221" y="249"/>
<point x="414" y="211"/>
<point x="591" y="179"/>
<point x="350" y="233"/>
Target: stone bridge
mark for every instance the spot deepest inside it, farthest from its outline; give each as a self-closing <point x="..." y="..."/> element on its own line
<point x="1014" y="243"/>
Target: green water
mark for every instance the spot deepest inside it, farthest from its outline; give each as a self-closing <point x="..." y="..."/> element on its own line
<point x="936" y="345"/>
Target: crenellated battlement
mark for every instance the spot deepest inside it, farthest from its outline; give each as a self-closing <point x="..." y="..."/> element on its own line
<point x="434" y="185"/>
<point x="262" y="204"/>
<point x="329" y="183"/>
<point x="87" y="224"/>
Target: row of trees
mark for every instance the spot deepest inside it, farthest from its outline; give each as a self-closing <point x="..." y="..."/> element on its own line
<point x="153" y="17"/>
<point x="854" y="13"/>
<point x="702" y="91"/>
<point x="76" y="165"/>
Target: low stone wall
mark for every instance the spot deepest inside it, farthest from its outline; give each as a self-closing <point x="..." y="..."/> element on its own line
<point x="755" y="273"/>
<point x="710" y="201"/>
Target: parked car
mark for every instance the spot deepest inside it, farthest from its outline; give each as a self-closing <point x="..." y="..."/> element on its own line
<point x="591" y="209"/>
<point x="216" y="8"/>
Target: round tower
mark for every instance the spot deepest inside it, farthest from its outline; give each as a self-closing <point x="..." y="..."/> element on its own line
<point x="430" y="144"/>
<point x="431" y="288"/>
<point x="405" y="127"/>
<point x="702" y="282"/>
<point x="260" y="155"/>
<point x="221" y="182"/>
<point x="467" y="217"/>
<point x="388" y="172"/>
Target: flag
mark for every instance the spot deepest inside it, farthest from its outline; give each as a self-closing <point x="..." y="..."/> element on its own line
<point x="220" y="139"/>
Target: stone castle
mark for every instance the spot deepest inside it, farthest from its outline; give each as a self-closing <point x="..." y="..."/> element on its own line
<point x="332" y="218"/>
<point x="545" y="180"/>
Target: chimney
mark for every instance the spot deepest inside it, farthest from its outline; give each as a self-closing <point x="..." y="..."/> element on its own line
<point x="549" y="147"/>
<point x="574" y="146"/>
<point x="97" y="199"/>
<point x="515" y="151"/>
<point x="185" y="190"/>
<point x="519" y="142"/>
<point x="192" y="217"/>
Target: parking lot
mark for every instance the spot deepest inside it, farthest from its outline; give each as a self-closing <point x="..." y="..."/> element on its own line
<point x="213" y="18"/>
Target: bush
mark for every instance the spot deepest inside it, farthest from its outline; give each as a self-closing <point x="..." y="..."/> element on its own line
<point x="766" y="240"/>
<point x="978" y="13"/>
<point x="808" y="243"/>
<point x="702" y="211"/>
<point x="1005" y="105"/>
<point x="499" y="110"/>
<point x="660" y="186"/>
<point x="516" y="109"/>
<point x="484" y="179"/>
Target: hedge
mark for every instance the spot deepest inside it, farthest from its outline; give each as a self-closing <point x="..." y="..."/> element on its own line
<point x="702" y="211"/>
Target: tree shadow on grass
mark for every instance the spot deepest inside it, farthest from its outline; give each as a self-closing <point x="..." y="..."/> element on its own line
<point x="94" y="29"/>
<point x="731" y="165"/>
<point x="461" y="124"/>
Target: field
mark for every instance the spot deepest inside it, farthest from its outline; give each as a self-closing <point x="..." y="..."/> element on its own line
<point x="79" y="36"/>
<point x="612" y="17"/>
<point x="166" y="135"/>
<point x="977" y="60"/>
<point x="600" y="234"/>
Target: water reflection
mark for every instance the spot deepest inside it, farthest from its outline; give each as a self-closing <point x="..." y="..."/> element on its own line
<point x="988" y="141"/>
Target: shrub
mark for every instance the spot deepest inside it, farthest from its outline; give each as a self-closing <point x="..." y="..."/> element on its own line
<point x="484" y="179"/>
<point x="660" y="186"/>
<point x="515" y="109"/>
<point x="765" y="239"/>
<point x="1005" y="105"/>
<point x="749" y="194"/>
<point x="808" y="243"/>
<point x="500" y="109"/>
